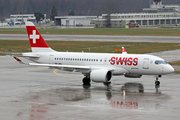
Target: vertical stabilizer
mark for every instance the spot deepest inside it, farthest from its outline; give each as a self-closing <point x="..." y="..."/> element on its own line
<point x="123" y="51"/>
<point x="37" y="42"/>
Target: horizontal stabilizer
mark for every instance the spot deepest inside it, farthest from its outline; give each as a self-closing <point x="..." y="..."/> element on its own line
<point x="30" y="56"/>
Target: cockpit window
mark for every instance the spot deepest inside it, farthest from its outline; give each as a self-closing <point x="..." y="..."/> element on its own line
<point x="157" y="62"/>
<point x="160" y="62"/>
<point x="164" y="62"/>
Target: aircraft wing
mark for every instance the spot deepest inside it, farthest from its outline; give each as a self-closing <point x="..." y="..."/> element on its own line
<point x="77" y="68"/>
<point x="60" y="66"/>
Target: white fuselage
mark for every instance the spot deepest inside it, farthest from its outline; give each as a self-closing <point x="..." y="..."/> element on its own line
<point x="140" y="64"/>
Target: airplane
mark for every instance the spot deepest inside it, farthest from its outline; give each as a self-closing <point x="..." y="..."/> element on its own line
<point x="97" y="67"/>
<point x="123" y="50"/>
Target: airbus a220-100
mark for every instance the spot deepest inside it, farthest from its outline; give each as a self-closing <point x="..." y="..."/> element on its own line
<point x="97" y="67"/>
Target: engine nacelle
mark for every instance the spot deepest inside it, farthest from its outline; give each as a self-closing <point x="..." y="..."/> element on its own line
<point x="133" y="76"/>
<point x="101" y="75"/>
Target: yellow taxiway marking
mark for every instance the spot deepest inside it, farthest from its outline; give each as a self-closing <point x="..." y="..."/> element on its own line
<point x="64" y="75"/>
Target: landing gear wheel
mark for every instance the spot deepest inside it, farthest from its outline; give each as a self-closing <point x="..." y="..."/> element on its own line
<point x="107" y="83"/>
<point x="157" y="83"/>
<point x="86" y="82"/>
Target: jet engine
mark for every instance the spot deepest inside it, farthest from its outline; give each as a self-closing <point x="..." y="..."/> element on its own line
<point x="132" y="76"/>
<point x="101" y="75"/>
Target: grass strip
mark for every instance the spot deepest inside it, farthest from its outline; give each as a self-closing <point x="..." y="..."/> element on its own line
<point x="9" y="47"/>
<point x="99" y="31"/>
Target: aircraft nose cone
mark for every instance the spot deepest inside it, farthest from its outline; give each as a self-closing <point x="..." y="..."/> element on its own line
<point x="169" y="69"/>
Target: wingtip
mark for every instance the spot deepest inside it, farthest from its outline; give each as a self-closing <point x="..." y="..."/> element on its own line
<point x="17" y="59"/>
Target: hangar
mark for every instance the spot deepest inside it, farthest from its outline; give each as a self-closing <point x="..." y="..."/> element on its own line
<point x="74" y="20"/>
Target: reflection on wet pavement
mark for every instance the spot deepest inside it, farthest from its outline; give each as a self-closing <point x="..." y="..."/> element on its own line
<point x="36" y="93"/>
<point x="42" y="103"/>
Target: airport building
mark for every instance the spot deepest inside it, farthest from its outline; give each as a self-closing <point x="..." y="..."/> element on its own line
<point x="74" y="20"/>
<point x="157" y="15"/>
<point x="21" y="18"/>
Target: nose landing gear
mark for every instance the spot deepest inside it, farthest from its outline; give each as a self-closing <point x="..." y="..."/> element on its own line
<point x="157" y="82"/>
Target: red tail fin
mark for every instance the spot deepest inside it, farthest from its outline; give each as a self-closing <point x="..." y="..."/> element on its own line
<point x="38" y="44"/>
<point x="123" y="51"/>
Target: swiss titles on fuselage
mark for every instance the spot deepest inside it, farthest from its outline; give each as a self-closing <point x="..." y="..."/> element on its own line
<point x="124" y="61"/>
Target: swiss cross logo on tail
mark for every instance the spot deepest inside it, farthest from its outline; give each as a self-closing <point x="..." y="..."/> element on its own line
<point x="34" y="36"/>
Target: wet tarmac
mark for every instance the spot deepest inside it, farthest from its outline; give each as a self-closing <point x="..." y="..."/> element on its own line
<point x="40" y="93"/>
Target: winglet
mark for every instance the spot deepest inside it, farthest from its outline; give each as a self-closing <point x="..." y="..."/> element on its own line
<point x="20" y="61"/>
<point x="123" y="51"/>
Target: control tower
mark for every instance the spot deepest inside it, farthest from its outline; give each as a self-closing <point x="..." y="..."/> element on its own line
<point x="158" y="7"/>
<point x="157" y="4"/>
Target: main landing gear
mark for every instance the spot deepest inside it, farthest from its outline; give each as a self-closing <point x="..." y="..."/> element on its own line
<point x="107" y="83"/>
<point x="86" y="82"/>
<point x="157" y="82"/>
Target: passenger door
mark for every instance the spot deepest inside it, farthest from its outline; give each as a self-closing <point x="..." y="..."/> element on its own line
<point x="146" y="63"/>
<point x="51" y="59"/>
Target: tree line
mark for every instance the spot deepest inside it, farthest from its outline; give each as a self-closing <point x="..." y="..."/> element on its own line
<point x="79" y="7"/>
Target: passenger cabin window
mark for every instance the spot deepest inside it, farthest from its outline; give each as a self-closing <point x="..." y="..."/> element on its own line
<point x="79" y="59"/>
